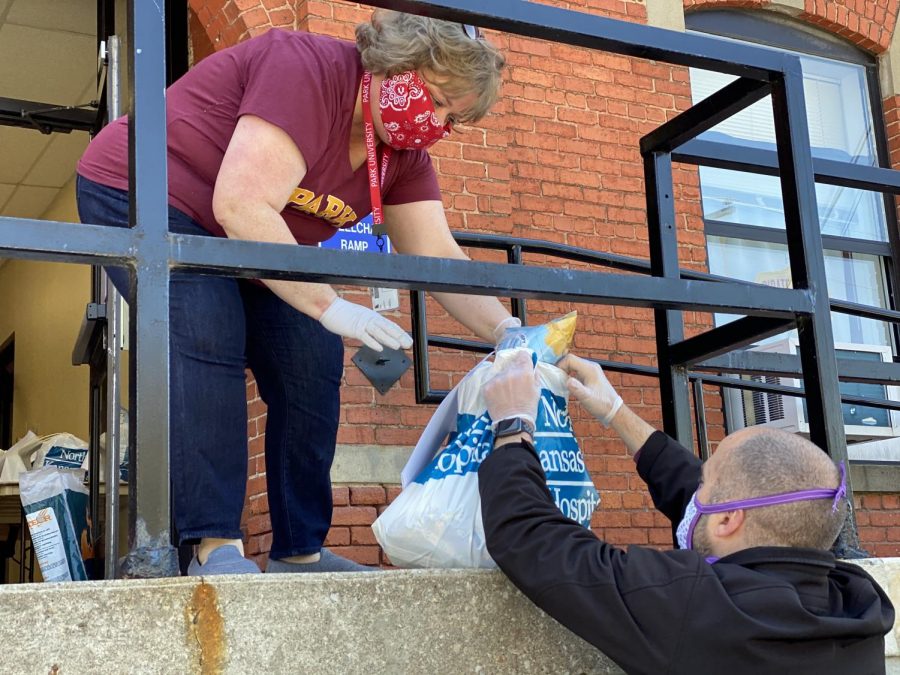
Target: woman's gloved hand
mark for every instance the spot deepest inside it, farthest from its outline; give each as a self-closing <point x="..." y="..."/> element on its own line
<point x="507" y="333"/>
<point x="589" y="385"/>
<point x="364" y="324"/>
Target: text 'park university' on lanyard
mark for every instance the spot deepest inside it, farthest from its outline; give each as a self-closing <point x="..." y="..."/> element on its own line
<point x="375" y="182"/>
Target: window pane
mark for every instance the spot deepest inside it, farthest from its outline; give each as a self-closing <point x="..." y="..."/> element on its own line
<point x="840" y="128"/>
<point x="751" y="199"/>
<point x="851" y="276"/>
<point x="837" y="112"/>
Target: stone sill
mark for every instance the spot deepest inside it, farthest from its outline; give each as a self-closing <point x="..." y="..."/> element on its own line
<point x="381" y="465"/>
<point x="426" y="621"/>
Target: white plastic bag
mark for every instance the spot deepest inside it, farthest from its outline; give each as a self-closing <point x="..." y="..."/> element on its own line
<point x="436" y="520"/>
<point x="123" y="448"/>
<point x="18" y="459"/>
<point x="56" y="509"/>
<point x="63" y="451"/>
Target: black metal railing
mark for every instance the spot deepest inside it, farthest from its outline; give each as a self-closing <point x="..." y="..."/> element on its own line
<point x="737" y="362"/>
<point x="152" y="254"/>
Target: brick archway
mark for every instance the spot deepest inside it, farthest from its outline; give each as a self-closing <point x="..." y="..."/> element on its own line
<point x="868" y="25"/>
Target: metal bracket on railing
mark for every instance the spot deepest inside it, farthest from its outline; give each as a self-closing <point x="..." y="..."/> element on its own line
<point x="382" y="368"/>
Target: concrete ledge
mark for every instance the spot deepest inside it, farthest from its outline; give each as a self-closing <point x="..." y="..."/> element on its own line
<point x="886" y="571"/>
<point x="422" y="621"/>
<point x="875" y="476"/>
<point x="372" y="623"/>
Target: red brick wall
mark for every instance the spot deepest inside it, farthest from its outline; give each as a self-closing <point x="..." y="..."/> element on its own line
<point x="256" y="526"/>
<point x="227" y="22"/>
<point x="878" y="518"/>
<point x="558" y="160"/>
<point x="878" y="515"/>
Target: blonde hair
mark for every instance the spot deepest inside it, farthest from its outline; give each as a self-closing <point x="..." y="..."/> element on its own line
<point x="394" y="42"/>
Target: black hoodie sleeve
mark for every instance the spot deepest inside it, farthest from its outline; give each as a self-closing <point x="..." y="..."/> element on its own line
<point x="623" y="603"/>
<point x="672" y="474"/>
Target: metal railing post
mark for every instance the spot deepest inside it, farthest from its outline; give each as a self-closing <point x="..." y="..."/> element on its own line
<point x="820" y="376"/>
<point x="151" y="552"/>
<point x="114" y="309"/>
<point x="673" y="377"/>
<point x="700" y="420"/>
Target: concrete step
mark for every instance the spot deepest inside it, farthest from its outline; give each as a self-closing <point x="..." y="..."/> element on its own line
<point x="393" y="622"/>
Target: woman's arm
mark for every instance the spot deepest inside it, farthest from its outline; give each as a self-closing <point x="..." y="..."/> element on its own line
<point x="260" y="170"/>
<point x="420" y="228"/>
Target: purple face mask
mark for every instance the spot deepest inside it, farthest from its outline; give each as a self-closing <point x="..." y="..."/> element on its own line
<point x="685" y="532"/>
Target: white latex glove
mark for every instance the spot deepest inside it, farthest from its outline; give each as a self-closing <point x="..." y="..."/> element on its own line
<point x="505" y="333"/>
<point x="364" y="324"/>
<point x="514" y="391"/>
<point x="589" y="385"/>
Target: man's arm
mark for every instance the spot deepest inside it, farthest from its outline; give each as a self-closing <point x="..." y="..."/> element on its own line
<point x="625" y="604"/>
<point x="672" y="475"/>
<point x="633" y="430"/>
<point x="671" y="472"/>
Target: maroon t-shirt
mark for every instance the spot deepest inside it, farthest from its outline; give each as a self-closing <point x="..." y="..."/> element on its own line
<point x="306" y="85"/>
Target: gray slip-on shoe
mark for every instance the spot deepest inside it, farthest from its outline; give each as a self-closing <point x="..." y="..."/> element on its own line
<point x="328" y="562"/>
<point x="226" y="559"/>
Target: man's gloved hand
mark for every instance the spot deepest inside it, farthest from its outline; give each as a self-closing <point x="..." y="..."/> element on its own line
<point x="589" y="385"/>
<point x="364" y="324"/>
<point x="507" y="335"/>
<point x="514" y="391"/>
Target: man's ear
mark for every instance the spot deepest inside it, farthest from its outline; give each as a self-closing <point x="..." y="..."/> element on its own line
<point x="728" y="523"/>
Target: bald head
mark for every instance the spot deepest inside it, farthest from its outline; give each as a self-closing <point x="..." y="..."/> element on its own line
<point x="758" y="461"/>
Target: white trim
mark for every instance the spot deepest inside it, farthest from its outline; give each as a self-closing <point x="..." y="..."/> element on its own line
<point x="880" y="450"/>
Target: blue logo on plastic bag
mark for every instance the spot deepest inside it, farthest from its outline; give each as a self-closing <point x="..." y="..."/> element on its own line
<point x="568" y="480"/>
<point x="558" y="450"/>
<point x="65" y="458"/>
<point x="466" y="450"/>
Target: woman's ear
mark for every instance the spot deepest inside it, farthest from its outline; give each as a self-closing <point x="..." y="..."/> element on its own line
<point x="377" y="17"/>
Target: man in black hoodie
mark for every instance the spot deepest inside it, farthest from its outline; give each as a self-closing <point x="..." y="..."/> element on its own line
<point x="753" y="587"/>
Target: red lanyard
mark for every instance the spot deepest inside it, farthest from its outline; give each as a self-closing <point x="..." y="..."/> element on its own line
<point x="372" y="156"/>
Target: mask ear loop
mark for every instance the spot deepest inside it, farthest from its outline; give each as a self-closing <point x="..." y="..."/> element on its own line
<point x="821" y="493"/>
<point x="694" y="521"/>
<point x="841" y="492"/>
<point x="689" y="537"/>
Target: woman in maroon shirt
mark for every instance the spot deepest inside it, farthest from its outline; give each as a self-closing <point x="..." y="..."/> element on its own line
<point x="286" y="138"/>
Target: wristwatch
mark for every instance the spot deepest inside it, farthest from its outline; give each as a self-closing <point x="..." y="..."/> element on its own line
<point x="514" y="426"/>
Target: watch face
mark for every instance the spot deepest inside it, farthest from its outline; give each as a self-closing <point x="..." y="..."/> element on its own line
<point x="513" y="426"/>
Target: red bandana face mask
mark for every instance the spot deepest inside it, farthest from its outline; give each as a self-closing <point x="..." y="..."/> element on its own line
<point x="407" y="113"/>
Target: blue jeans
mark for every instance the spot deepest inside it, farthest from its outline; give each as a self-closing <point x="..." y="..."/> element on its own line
<point x="219" y="327"/>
